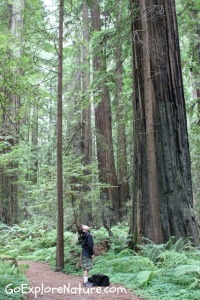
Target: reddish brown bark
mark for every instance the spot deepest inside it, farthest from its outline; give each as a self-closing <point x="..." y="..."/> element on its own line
<point x="160" y="128"/>
<point x="103" y="121"/>
<point x="86" y="206"/>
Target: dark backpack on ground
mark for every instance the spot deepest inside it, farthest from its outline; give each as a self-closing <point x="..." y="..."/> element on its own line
<point x="99" y="280"/>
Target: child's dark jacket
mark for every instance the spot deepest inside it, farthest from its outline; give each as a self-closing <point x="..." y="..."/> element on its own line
<point x="87" y="244"/>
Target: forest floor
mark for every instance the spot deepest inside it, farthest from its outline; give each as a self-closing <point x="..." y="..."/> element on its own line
<point x="45" y="284"/>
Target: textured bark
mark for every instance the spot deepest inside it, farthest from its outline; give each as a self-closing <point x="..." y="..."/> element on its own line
<point x="155" y="232"/>
<point x="86" y="207"/>
<point x="60" y="238"/>
<point x="121" y="134"/>
<point x="172" y="159"/>
<point x="103" y="121"/>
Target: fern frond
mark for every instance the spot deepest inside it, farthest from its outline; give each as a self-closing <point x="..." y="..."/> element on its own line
<point x="145" y="277"/>
<point x="182" y="244"/>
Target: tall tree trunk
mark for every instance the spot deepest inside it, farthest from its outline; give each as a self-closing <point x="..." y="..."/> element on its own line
<point x="86" y="207"/>
<point x="163" y="187"/>
<point x="60" y="226"/>
<point x="155" y="233"/>
<point x="121" y="134"/>
<point x="86" y="114"/>
<point x="103" y="122"/>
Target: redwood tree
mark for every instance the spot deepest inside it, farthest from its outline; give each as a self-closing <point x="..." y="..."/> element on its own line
<point x="163" y="202"/>
<point x="86" y="143"/>
<point x="86" y="113"/>
<point x="103" y="118"/>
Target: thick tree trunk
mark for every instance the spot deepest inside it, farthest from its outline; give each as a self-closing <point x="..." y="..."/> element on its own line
<point x="155" y="232"/>
<point x="121" y="134"/>
<point x="103" y="121"/>
<point x="161" y="140"/>
<point x="60" y="226"/>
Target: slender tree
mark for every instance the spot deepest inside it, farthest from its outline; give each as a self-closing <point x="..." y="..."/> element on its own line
<point x="163" y="200"/>
<point x="86" y="114"/>
<point x="60" y="227"/>
<point x="121" y="127"/>
<point x="34" y="141"/>
<point x="86" y="207"/>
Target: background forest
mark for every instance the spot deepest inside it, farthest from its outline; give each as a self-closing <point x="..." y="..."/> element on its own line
<point x="29" y="35"/>
<point x="100" y="134"/>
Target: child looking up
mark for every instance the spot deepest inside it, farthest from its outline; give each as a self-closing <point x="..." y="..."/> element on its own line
<point x="87" y="251"/>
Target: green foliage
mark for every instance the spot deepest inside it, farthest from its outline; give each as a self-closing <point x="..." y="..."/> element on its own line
<point x="10" y="274"/>
<point x="144" y="277"/>
<point x="189" y="28"/>
<point x="168" y="271"/>
<point x="37" y="242"/>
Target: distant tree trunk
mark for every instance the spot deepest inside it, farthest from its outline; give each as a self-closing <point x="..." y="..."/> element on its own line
<point x="60" y="226"/>
<point x="11" y="126"/>
<point x="103" y="121"/>
<point x="195" y="73"/>
<point x="121" y="134"/>
<point x="86" y="114"/>
<point x="34" y="140"/>
<point x="163" y="200"/>
<point x="86" y="208"/>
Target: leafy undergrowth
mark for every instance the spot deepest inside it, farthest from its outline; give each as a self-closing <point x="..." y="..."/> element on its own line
<point x="11" y="280"/>
<point x="38" y="243"/>
<point x="157" y="272"/>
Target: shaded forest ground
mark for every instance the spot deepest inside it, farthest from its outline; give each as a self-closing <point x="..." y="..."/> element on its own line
<point x="40" y="275"/>
<point x="169" y="271"/>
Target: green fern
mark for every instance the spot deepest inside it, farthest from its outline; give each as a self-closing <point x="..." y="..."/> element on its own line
<point x="145" y="277"/>
<point x="171" y="259"/>
<point x="182" y="244"/>
<point x="186" y="275"/>
<point x="156" y="272"/>
<point x="10" y="275"/>
<point x="152" y="251"/>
